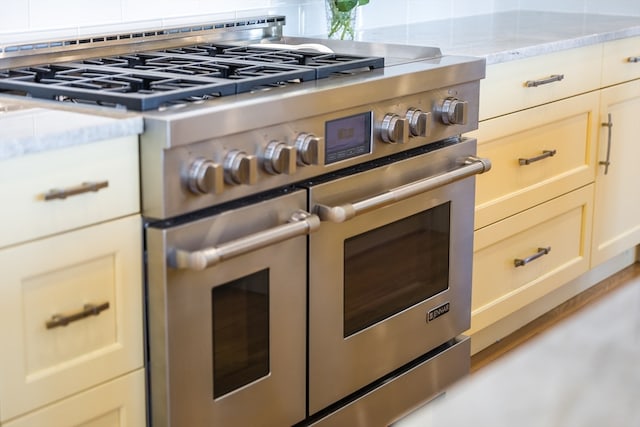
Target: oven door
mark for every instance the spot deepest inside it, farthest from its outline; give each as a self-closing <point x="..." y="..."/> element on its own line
<point x="390" y="267"/>
<point x="227" y="316"/>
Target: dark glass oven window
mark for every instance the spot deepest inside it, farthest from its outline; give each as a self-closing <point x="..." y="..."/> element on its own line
<point x="393" y="267"/>
<point x="240" y="332"/>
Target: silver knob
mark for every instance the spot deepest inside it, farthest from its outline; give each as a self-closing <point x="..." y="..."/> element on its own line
<point x="279" y="158"/>
<point x="205" y="177"/>
<point x="454" y="111"/>
<point x="394" y="128"/>
<point x="310" y="149"/>
<point x="240" y="168"/>
<point x="419" y="122"/>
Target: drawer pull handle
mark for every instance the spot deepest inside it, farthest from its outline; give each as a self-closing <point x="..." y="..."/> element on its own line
<point x="552" y="78"/>
<point x="85" y="187"/>
<point x="541" y="252"/>
<point x="544" y="155"/>
<point x="87" y="310"/>
<point x="634" y="59"/>
<point x="606" y="163"/>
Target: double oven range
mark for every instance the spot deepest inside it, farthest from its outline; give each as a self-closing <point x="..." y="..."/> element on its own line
<point x="309" y="216"/>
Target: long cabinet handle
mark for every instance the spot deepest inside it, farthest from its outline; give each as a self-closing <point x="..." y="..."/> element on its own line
<point x="85" y="187"/>
<point x="65" y="319"/>
<point x="633" y="59"/>
<point x="545" y="154"/>
<point x="518" y="262"/>
<point x="552" y="78"/>
<point x="337" y="214"/>
<point x="606" y="163"/>
<point x="299" y="224"/>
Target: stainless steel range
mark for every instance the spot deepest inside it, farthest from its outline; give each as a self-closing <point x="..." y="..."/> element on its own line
<point x="309" y="215"/>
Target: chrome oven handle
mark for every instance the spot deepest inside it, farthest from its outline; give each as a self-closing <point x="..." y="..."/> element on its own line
<point x="299" y="224"/>
<point x="471" y="166"/>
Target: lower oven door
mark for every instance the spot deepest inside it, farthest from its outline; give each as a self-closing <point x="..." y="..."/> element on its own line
<point x="227" y="316"/>
<point x="390" y="267"/>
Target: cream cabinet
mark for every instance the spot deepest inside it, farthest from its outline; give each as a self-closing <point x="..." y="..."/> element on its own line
<point x="71" y="296"/>
<point x="617" y="200"/>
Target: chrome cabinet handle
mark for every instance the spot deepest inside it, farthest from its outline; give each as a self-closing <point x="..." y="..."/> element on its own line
<point x="552" y="78"/>
<point x="633" y="59"/>
<point x="606" y="163"/>
<point x="85" y="187"/>
<point x="545" y="154"/>
<point x="337" y="214"/>
<point x="541" y="252"/>
<point x="299" y="224"/>
<point x="87" y="310"/>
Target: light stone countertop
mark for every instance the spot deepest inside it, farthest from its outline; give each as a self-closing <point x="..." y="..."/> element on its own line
<point x="27" y="127"/>
<point x="507" y="36"/>
<point x="585" y="372"/>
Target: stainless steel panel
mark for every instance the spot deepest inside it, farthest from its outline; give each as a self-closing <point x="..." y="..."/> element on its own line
<point x="339" y="366"/>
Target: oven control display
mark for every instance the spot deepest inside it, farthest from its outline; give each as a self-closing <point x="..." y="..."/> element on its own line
<point x="348" y="137"/>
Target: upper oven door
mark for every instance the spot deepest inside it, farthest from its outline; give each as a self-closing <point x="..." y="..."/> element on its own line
<point x="390" y="267"/>
<point x="227" y="316"/>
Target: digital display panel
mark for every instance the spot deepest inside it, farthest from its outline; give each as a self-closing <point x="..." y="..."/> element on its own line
<point x="347" y="137"/>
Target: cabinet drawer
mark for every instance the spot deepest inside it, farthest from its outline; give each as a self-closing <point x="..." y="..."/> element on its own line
<point x="117" y="403"/>
<point x="61" y="276"/>
<point x="505" y="89"/>
<point x="621" y="61"/>
<point x="562" y="226"/>
<point x="536" y="154"/>
<point x="26" y="181"/>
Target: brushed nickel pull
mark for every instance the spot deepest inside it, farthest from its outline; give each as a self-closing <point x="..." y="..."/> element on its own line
<point x="544" y="155"/>
<point x="471" y="166"/>
<point x="552" y="78"/>
<point x="541" y="252"/>
<point x="87" y="310"/>
<point x="299" y="224"/>
<point x="634" y="59"/>
<point x="85" y="187"/>
<point x="606" y="163"/>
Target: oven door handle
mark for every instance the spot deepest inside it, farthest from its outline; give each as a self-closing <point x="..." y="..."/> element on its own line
<point x="471" y="166"/>
<point x="300" y="223"/>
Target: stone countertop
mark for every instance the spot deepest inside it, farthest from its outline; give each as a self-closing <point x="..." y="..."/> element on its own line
<point x="29" y="127"/>
<point x="584" y="372"/>
<point x="507" y="36"/>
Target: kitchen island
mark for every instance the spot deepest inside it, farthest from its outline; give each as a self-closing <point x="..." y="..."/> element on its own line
<point x="584" y="372"/>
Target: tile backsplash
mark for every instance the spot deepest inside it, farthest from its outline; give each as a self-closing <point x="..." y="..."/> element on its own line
<point x="30" y="20"/>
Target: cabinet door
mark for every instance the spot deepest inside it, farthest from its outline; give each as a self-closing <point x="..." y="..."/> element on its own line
<point x="117" y="403"/>
<point x="617" y="204"/>
<point x="49" y="280"/>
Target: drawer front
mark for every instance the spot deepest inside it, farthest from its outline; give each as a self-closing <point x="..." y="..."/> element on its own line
<point x="117" y="403"/>
<point x="516" y="85"/>
<point x="536" y="154"/>
<point x="71" y="313"/>
<point x="621" y="61"/>
<point x="530" y="254"/>
<point x="104" y="175"/>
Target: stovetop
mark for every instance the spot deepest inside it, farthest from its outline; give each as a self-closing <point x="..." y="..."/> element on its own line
<point x="154" y="79"/>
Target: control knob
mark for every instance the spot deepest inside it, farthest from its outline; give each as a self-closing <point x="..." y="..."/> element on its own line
<point x="205" y="177"/>
<point x="309" y="148"/>
<point x="394" y="128"/>
<point x="240" y="168"/>
<point x="419" y="122"/>
<point x="279" y="158"/>
<point x="454" y="111"/>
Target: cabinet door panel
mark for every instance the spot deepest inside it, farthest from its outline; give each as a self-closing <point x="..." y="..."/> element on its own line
<point x="59" y="346"/>
<point x="617" y="200"/>
<point x="561" y="225"/>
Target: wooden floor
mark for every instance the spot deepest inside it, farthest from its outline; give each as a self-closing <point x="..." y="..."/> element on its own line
<point x="492" y="353"/>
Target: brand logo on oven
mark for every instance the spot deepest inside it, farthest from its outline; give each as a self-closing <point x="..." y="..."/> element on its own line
<point x="438" y="311"/>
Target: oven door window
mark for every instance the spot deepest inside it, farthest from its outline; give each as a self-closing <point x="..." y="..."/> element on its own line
<point x="240" y="311"/>
<point x="393" y="267"/>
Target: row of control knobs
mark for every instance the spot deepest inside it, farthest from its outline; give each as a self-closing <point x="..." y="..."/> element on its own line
<point x="238" y="167"/>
